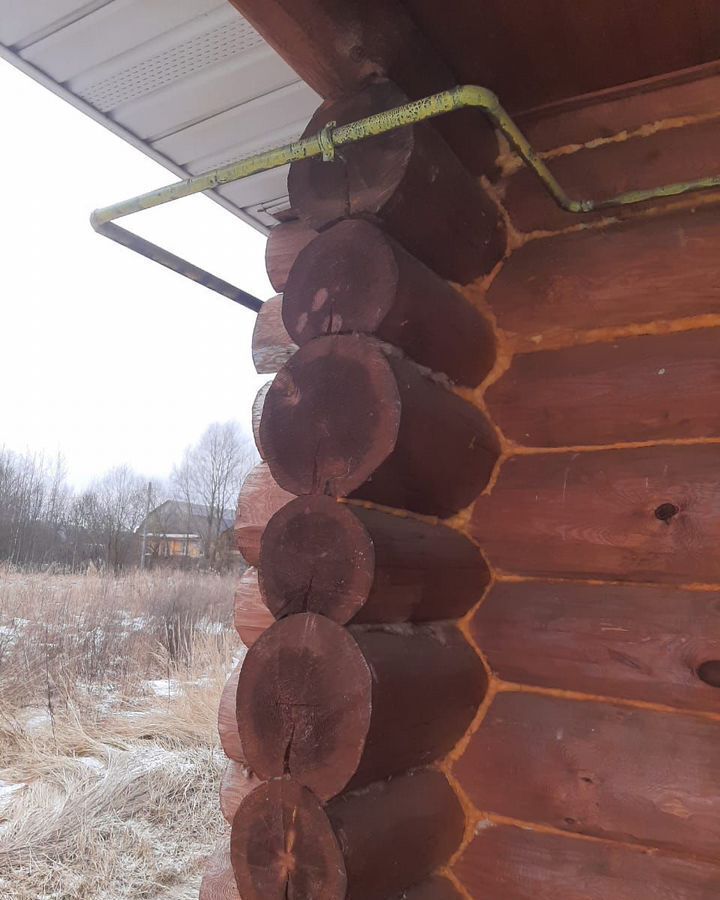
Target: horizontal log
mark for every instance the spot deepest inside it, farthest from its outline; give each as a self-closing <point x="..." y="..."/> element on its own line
<point x="629" y="641"/>
<point x="251" y="615"/>
<point x="436" y="888"/>
<point x="237" y="782"/>
<point x="227" y="720"/>
<point x="283" y="846"/>
<point x="218" y="882"/>
<point x="644" y="514"/>
<point x="363" y="846"/>
<point x="363" y="565"/>
<point x="535" y="54"/>
<point x="257" y="408"/>
<point x="272" y="346"/>
<point x="625" y="774"/>
<point x="284" y="243"/>
<point x="344" y="418"/>
<point x="353" y="278"/>
<point x="516" y="864"/>
<point x="638" y="272"/>
<point x="636" y="163"/>
<point x="335" y="47"/>
<point x="408" y="179"/>
<point x="579" y="120"/>
<point x="634" y="389"/>
<point x="339" y="709"/>
<point x="260" y="497"/>
<point x="395" y="833"/>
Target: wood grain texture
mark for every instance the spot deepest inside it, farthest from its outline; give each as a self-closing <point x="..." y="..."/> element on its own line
<point x="218" y="882"/>
<point x="337" y="46"/>
<point x="366" y="845"/>
<point x="251" y="616"/>
<point x="627" y="641"/>
<point x="284" y="243"/>
<point x="436" y="888"/>
<point x="354" y="278"/>
<point x="283" y="846"/>
<point x="393" y="834"/>
<point x="645" y="514"/>
<point x="517" y="864"/>
<point x="638" y="272"/>
<point x="257" y="409"/>
<point x="409" y="180"/>
<point x="362" y="565"/>
<point x="338" y="708"/>
<point x="638" y="163"/>
<point x="625" y="774"/>
<point x="578" y="120"/>
<point x="237" y="782"/>
<point x="532" y="55"/>
<point x="227" y="720"/>
<point x="272" y="346"/>
<point x="632" y="389"/>
<point x="346" y="419"/>
<point x="260" y="497"/>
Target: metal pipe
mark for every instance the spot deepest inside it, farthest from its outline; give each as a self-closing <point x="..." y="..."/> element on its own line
<point x="159" y="255"/>
<point x="332" y="136"/>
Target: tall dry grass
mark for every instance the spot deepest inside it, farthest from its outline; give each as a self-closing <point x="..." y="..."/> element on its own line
<point x="109" y="764"/>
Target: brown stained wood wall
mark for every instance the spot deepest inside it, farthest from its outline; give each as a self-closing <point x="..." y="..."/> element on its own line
<point x="590" y="772"/>
<point x="633" y="775"/>
<point x="637" y="642"/>
<point x="517" y="864"/>
<point x="641" y="272"/>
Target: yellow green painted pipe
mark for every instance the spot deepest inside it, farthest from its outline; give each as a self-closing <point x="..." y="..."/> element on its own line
<point x="332" y="136"/>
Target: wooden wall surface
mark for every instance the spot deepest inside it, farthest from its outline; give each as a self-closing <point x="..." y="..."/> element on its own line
<point x="590" y="768"/>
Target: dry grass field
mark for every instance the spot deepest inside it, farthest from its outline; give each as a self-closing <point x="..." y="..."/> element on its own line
<point x="109" y="762"/>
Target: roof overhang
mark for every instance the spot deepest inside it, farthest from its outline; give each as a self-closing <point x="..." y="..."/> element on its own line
<point x="191" y="84"/>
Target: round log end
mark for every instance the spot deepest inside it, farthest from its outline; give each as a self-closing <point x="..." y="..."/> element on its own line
<point x="283" y="846"/>
<point x="364" y="175"/>
<point x="236" y="783"/>
<point x="219" y="879"/>
<point x="331" y="417"/>
<point x="304" y="704"/>
<point x="271" y="344"/>
<point x="316" y="556"/>
<point x="343" y="281"/>
<point x="227" y="719"/>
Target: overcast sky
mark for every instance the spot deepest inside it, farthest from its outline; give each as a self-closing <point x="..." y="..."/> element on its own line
<point x="104" y="356"/>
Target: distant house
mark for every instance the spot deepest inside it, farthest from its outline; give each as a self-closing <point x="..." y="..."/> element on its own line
<point x="180" y="531"/>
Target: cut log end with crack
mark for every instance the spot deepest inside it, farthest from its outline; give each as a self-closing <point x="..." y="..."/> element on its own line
<point x="338" y="708"/>
<point x="344" y="418"/>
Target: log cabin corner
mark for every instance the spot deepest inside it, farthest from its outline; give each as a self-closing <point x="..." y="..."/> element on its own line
<point x="483" y="613"/>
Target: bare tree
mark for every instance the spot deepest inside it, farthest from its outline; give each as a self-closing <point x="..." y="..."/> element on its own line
<point x="211" y="473"/>
<point x="120" y="506"/>
<point x="34" y="499"/>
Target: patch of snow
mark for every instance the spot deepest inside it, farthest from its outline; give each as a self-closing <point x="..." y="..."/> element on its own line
<point x="7" y="789"/>
<point x="165" y="687"/>
<point x="134" y="623"/>
<point x="91" y="762"/>
<point x="39" y="720"/>
<point x="147" y="759"/>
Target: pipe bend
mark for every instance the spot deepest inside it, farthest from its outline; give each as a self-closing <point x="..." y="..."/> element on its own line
<point x="474" y="95"/>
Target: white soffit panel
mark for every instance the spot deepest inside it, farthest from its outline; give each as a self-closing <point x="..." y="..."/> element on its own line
<point x="189" y="82"/>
